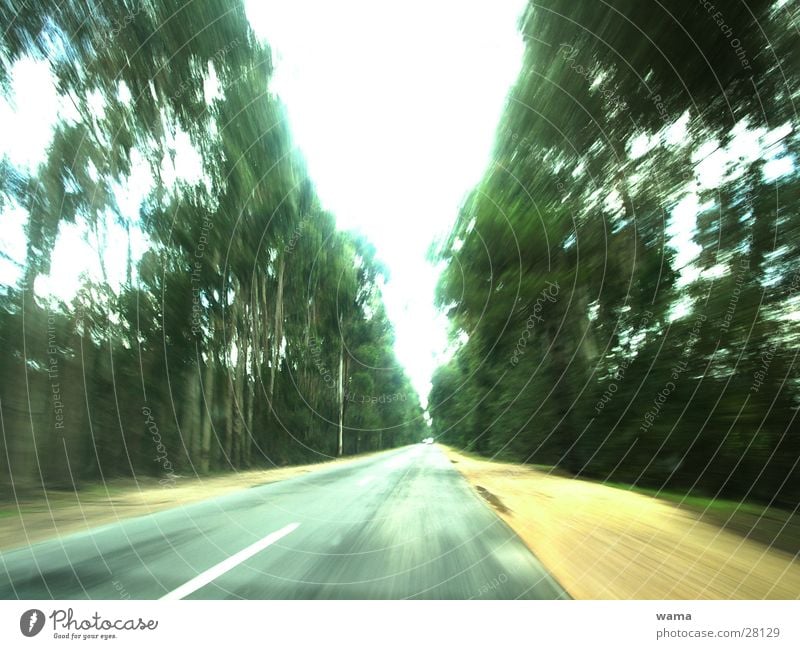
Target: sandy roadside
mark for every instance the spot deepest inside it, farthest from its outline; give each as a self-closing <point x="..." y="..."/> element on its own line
<point x="605" y="543"/>
<point x="58" y="513"/>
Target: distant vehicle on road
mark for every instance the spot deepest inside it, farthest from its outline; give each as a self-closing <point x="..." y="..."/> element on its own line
<point x="428" y="440"/>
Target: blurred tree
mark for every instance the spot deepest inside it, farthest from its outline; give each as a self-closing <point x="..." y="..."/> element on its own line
<point x="201" y="359"/>
<point x="637" y="369"/>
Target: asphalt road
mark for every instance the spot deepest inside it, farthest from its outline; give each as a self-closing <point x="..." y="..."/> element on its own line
<point x="402" y="524"/>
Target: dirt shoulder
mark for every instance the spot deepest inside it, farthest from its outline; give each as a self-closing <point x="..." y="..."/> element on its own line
<point x="58" y="513"/>
<point x="605" y="543"/>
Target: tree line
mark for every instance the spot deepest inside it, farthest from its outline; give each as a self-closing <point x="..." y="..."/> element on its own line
<point x="597" y="328"/>
<point x="239" y="337"/>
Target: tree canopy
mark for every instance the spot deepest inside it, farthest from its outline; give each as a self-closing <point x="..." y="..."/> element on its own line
<point x="622" y="283"/>
<point x="250" y="332"/>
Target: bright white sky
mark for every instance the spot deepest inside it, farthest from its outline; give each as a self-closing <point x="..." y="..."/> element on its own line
<point x="395" y="106"/>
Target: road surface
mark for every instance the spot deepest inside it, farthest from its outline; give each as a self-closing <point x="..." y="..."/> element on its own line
<point x="401" y="524"/>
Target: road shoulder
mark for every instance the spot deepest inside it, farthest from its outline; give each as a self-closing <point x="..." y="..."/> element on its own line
<point x="605" y="543"/>
<point x="55" y="514"/>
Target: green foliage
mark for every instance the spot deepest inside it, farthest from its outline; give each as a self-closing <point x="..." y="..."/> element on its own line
<point x="223" y="348"/>
<point x="637" y="370"/>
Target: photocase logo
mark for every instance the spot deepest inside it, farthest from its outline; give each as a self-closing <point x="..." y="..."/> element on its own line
<point x="31" y="622"/>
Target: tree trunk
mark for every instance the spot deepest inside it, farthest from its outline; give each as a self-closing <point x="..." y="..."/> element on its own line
<point x="278" y="331"/>
<point x="230" y="411"/>
<point x="341" y="391"/>
<point x="250" y="386"/>
<point x="207" y="399"/>
<point x="238" y="421"/>
<point x="32" y="400"/>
